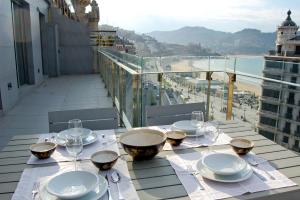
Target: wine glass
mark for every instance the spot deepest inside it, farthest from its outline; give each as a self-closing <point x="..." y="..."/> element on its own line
<point x="74" y="123"/>
<point x="74" y="146"/>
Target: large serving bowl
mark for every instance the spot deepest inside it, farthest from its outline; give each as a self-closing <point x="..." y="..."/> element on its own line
<point x="143" y="143"/>
<point x="43" y="150"/>
<point x="104" y="160"/>
<point x="241" y="146"/>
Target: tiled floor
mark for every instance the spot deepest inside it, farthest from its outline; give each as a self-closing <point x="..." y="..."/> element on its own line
<point x="30" y="115"/>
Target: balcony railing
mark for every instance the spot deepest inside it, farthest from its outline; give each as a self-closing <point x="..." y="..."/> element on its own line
<point x="135" y="82"/>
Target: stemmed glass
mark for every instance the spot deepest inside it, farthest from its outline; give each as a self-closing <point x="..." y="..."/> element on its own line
<point x="197" y="120"/>
<point x="74" y="146"/>
<point x="74" y="123"/>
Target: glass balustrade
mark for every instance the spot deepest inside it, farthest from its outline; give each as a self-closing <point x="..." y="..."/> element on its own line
<point x="264" y="98"/>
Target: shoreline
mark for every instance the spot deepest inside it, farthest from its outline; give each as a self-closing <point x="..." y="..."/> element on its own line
<point x="241" y="84"/>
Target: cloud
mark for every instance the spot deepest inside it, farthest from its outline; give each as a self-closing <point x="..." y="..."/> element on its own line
<point x="148" y="15"/>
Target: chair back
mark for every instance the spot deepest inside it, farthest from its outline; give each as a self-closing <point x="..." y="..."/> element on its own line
<point x="164" y="115"/>
<point x="94" y="119"/>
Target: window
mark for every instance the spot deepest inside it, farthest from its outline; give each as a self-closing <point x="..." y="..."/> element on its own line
<point x="287" y="128"/>
<point x="296" y="143"/>
<point x="291" y="99"/>
<point x="270" y="93"/>
<point x="289" y="113"/>
<point x="274" y="64"/>
<point x="277" y="77"/>
<point x="267" y="134"/>
<point x="285" y="139"/>
<point x="268" y="121"/>
<point x="269" y="107"/>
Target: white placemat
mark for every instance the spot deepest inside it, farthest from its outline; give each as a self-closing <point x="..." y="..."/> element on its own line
<point x="182" y="163"/>
<point x="31" y="175"/>
<point x="61" y="154"/>
<point x="193" y="142"/>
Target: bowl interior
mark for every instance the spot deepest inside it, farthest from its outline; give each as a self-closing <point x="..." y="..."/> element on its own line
<point x="42" y="147"/>
<point x="242" y="143"/>
<point x="72" y="184"/>
<point x="176" y="135"/>
<point x="142" y="137"/>
<point x="221" y="163"/>
<point x="104" y="156"/>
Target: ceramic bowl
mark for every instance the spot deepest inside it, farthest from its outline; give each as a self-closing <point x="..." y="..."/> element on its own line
<point x="73" y="184"/>
<point x="43" y="150"/>
<point x="143" y="143"/>
<point x="175" y="138"/>
<point x="241" y="146"/>
<point x="223" y="163"/>
<point x="104" y="160"/>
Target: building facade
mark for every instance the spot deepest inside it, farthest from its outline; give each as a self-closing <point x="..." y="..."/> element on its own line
<point x="21" y="62"/>
<point x="279" y="116"/>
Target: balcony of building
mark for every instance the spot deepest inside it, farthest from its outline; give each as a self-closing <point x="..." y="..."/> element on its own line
<point x="71" y="92"/>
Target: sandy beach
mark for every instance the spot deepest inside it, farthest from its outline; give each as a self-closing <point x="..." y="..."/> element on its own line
<point x="241" y="84"/>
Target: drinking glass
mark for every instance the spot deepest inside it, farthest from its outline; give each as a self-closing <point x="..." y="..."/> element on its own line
<point x="197" y="119"/>
<point x="212" y="136"/>
<point x="74" y="147"/>
<point x="74" y="123"/>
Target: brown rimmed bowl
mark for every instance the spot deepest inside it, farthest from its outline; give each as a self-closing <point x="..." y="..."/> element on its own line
<point x="143" y="143"/>
<point x="241" y="146"/>
<point x="43" y="150"/>
<point x="104" y="160"/>
<point x="175" y="138"/>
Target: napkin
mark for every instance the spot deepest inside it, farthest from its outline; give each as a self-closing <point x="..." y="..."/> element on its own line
<point x="62" y="155"/>
<point x="42" y="174"/>
<point x="184" y="164"/>
<point x="193" y="142"/>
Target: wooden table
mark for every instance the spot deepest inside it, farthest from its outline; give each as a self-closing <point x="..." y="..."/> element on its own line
<point x="156" y="179"/>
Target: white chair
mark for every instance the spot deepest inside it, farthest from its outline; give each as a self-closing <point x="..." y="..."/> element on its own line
<point x="94" y="119"/>
<point x="163" y="115"/>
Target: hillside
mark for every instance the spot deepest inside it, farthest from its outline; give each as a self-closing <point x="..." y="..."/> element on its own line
<point x="149" y="46"/>
<point x="246" y="41"/>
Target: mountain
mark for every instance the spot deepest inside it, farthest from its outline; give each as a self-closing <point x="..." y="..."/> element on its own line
<point x="149" y="46"/>
<point x="246" y="41"/>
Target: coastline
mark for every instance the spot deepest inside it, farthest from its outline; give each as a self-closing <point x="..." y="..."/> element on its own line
<point x="241" y="84"/>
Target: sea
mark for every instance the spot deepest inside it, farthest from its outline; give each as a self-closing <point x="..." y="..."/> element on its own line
<point x="248" y="65"/>
<point x="253" y="65"/>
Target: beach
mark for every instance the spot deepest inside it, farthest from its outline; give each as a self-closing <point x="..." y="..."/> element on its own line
<point x="242" y="84"/>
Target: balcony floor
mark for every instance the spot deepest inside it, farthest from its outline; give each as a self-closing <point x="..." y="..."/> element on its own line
<point x="30" y="115"/>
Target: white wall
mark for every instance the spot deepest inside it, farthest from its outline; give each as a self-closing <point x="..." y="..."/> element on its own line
<point x="7" y="56"/>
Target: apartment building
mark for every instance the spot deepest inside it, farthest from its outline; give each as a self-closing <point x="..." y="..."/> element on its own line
<point x="279" y="118"/>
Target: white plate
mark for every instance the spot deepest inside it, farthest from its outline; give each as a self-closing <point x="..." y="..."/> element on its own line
<point x="238" y="177"/>
<point x="223" y="163"/>
<point x="185" y="126"/>
<point x="95" y="194"/>
<point x="86" y="141"/>
<point x="82" y="132"/>
<point x="72" y="185"/>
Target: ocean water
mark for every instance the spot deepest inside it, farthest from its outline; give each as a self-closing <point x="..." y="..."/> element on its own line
<point x="246" y="64"/>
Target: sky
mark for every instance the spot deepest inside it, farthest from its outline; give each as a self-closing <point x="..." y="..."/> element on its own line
<point x="144" y="16"/>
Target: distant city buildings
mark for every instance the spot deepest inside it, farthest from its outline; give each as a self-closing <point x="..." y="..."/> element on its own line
<point x="280" y="103"/>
